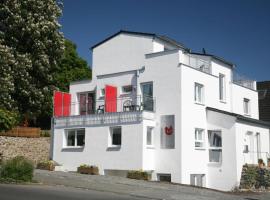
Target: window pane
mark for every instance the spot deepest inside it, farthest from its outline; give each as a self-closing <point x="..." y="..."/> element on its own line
<point x="116" y="136"/>
<point x="71" y="138"/>
<point x="214" y="139"/>
<point x="147" y="94"/>
<point x="198" y="144"/>
<point x="80" y="137"/>
<point x="149" y="135"/>
<point x="215" y="155"/>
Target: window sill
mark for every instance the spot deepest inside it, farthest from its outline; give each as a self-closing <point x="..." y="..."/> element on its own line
<point x="214" y="164"/>
<point x="199" y="103"/>
<point x="114" y="148"/>
<point x="247" y="115"/>
<point x="73" y="147"/>
<point x="200" y="148"/>
<point x="150" y="147"/>
<point x="222" y="101"/>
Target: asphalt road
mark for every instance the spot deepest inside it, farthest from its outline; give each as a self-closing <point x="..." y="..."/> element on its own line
<point x="42" y="192"/>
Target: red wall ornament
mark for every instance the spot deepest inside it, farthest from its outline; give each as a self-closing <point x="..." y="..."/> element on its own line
<point x="168" y="130"/>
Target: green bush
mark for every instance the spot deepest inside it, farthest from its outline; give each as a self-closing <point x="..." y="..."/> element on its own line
<point x="8" y="119"/>
<point x="18" y="169"/>
<point x="255" y="177"/>
<point x="45" y="133"/>
<point x="88" y="169"/>
<point x="140" y="175"/>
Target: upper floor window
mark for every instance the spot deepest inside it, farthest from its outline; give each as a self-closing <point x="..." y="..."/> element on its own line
<point x="199" y="93"/>
<point x="215" y="146"/>
<point x="222" y="89"/>
<point x="147" y="96"/>
<point x="127" y="89"/>
<point x="199" y="138"/>
<point x="75" y="137"/>
<point x="102" y="92"/>
<point x="246" y="106"/>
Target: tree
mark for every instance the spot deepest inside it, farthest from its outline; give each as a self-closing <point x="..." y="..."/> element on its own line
<point x="31" y="44"/>
<point x="71" y="67"/>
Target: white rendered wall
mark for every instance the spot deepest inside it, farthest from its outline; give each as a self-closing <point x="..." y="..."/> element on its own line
<point x="162" y="69"/>
<point x="241" y="139"/>
<point x="223" y="176"/>
<point x="96" y="151"/>
<point x="122" y="53"/>
<point x="238" y="95"/>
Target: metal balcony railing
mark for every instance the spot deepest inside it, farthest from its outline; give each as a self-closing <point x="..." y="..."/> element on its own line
<point x="199" y="64"/>
<point x="244" y="81"/>
<point x="127" y="103"/>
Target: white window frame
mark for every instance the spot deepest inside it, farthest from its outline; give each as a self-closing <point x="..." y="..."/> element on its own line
<point x="211" y="148"/>
<point x="246" y="106"/>
<point x="151" y="136"/>
<point x="202" y="141"/>
<point x="102" y="92"/>
<point x="127" y="86"/>
<point x="222" y="88"/>
<point x="111" y="136"/>
<point x="75" y="142"/>
<point x="199" y="96"/>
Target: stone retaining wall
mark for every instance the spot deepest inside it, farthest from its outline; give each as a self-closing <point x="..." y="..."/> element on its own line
<point x="34" y="149"/>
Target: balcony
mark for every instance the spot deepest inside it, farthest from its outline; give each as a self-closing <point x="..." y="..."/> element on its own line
<point x="244" y="81"/>
<point x="127" y="109"/>
<point x="199" y="64"/>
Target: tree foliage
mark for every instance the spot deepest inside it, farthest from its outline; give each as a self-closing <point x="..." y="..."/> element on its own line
<point x="71" y="67"/>
<point x="30" y="46"/>
<point x="35" y="59"/>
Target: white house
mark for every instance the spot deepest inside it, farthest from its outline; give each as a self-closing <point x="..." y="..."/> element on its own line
<point x="154" y="105"/>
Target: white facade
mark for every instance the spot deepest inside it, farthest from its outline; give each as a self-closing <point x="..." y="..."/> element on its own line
<point x="190" y="93"/>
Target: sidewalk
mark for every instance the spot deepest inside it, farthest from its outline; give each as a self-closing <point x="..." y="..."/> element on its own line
<point x="137" y="188"/>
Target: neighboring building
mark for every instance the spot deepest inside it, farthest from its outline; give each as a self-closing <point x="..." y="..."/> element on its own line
<point x="264" y="100"/>
<point x="154" y="105"/>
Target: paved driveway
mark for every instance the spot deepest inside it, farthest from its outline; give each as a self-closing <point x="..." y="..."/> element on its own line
<point x="136" y="188"/>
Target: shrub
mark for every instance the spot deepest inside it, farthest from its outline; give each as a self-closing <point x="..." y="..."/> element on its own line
<point x="88" y="169"/>
<point x="45" y="133"/>
<point x="46" y="165"/>
<point x="8" y="119"/>
<point x="18" y="169"/>
<point x="138" y="174"/>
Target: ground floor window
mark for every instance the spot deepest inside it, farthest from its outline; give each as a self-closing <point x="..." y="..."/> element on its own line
<point x="215" y="146"/>
<point x="115" y="138"/>
<point x="164" y="177"/>
<point x="197" y="180"/>
<point x="149" y="136"/>
<point x="75" y="137"/>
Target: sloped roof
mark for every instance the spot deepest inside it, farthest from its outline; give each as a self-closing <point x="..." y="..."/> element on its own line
<point x="161" y="37"/>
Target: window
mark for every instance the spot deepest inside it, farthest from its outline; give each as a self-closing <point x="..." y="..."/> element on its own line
<point x="262" y="94"/>
<point x="86" y="103"/>
<point x="246" y="106"/>
<point x="164" y="177"/>
<point x="199" y="138"/>
<point x="127" y="89"/>
<point x="115" y="136"/>
<point x="149" y="136"/>
<point x="222" y="89"/>
<point x="197" y="180"/>
<point x="198" y="97"/>
<point x="75" y="138"/>
<point x="147" y="95"/>
<point x="102" y="92"/>
<point x="215" y="146"/>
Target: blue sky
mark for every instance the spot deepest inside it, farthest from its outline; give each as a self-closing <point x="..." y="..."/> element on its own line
<point x="237" y="30"/>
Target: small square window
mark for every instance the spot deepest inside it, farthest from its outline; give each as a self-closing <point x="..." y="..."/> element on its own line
<point x="149" y="136"/>
<point x="199" y="138"/>
<point x="115" y="136"/>
<point x="102" y="92"/>
<point x="127" y="89"/>
<point x="199" y="93"/>
<point x="246" y="106"/>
